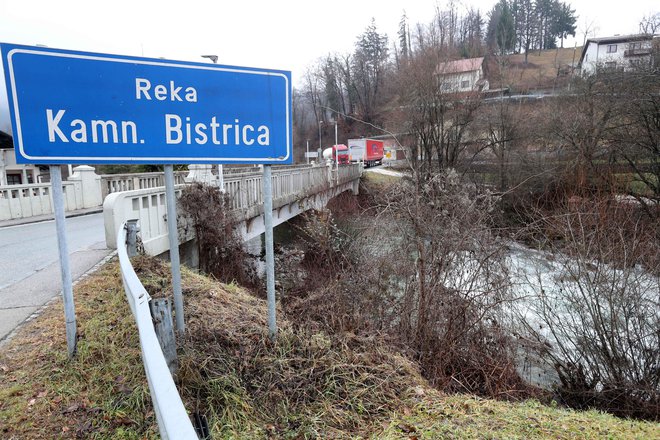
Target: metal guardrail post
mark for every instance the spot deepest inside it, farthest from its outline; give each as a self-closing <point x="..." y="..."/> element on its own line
<point x="132" y="229"/>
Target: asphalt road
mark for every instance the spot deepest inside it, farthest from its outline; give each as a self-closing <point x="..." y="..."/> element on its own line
<point x="29" y="264"/>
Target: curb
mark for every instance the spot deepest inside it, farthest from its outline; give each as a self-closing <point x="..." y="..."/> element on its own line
<point x="48" y="217"/>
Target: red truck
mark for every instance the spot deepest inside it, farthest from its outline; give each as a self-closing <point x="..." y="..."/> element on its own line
<point x="368" y="151"/>
<point x="338" y="154"/>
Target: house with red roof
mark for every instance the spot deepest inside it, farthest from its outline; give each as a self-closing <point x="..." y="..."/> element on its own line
<point x="459" y="76"/>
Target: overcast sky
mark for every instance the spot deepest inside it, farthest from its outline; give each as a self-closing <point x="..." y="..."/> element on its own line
<point x="277" y="34"/>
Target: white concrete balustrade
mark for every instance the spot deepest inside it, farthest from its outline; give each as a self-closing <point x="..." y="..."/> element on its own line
<point x="81" y="190"/>
<point x="295" y="189"/>
<point x="126" y="182"/>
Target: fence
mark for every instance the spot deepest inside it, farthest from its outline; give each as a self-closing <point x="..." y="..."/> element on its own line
<point x="173" y="420"/>
<point x="146" y="205"/>
<point x="83" y="189"/>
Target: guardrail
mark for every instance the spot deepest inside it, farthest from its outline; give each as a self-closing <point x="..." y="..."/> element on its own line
<point x="173" y="420"/>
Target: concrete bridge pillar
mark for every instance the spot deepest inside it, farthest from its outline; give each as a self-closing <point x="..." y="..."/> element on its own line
<point x="90" y="183"/>
<point x="355" y="187"/>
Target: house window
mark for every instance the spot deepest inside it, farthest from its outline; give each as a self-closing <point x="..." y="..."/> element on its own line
<point x="611" y="48"/>
<point x="635" y="46"/>
<point x="610" y="65"/>
<point x="465" y="84"/>
<point x="13" y="179"/>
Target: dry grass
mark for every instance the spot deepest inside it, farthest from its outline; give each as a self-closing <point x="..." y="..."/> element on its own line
<point x="101" y="393"/>
<point x="305" y="385"/>
<point x="308" y="385"/>
<point x="545" y="70"/>
<point x="462" y="417"/>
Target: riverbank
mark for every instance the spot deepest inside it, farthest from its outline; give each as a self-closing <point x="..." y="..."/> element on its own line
<point x="363" y="389"/>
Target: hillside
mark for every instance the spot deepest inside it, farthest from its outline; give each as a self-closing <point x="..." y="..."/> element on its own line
<point x="544" y="70"/>
<point x="308" y="385"/>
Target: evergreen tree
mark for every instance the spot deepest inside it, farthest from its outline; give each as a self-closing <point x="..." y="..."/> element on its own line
<point x="369" y="66"/>
<point x="501" y="36"/>
<point x="564" y="23"/>
<point x="404" y="38"/>
<point x="527" y="25"/>
<point x="505" y="31"/>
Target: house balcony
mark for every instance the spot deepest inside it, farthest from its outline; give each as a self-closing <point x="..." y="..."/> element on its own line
<point x="637" y="52"/>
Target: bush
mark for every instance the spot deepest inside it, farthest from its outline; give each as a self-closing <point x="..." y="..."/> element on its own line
<point x="599" y="323"/>
<point x="221" y="250"/>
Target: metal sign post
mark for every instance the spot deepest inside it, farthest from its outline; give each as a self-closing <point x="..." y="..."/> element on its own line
<point x="173" y="233"/>
<point x="65" y="269"/>
<point x="270" y="255"/>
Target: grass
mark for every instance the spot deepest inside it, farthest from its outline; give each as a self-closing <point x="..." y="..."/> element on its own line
<point x="635" y="185"/>
<point x="101" y="393"/>
<point x="307" y="385"/>
<point x="461" y="417"/>
<point x="378" y="181"/>
<point x="544" y="70"/>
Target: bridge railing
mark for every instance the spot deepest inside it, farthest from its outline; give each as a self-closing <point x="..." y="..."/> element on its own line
<point x="245" y="189"/>
<point x="81" y="190"/>
<point x="21" y="201"/>
<point x="111" y="183"/>
<point x="173" y="420"/>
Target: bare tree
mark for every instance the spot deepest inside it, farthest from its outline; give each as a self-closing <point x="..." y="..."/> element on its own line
<point x="439" y="118"/>
<point x="637" y="136"/>
<point x="454" y="285"/>
<point x="596" y="315"/>
<point x="650" y="24"/>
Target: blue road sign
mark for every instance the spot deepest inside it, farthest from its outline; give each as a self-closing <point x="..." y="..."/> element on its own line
<point x="79" y="107"/>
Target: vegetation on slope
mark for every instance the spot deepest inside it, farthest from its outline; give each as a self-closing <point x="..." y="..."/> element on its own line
<point x="307" y="385"/>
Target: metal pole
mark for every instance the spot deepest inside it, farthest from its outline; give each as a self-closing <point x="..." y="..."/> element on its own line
<point x="174" y="247"/>
<point x="320" y="146"/>
<point x="307" y="152"/>
<point x="221" y="178"/>
<point x="65" y="269"/>
<point x="336" y="151"/>
<point x="270" y="257"/>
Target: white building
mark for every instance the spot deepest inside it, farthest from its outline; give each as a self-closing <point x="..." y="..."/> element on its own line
<point x="462" y="75"/>
<point x="618" y="52"/>
<point x="12" y="173"/>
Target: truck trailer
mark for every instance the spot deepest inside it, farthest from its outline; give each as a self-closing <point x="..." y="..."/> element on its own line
<point x="368" y="151"/>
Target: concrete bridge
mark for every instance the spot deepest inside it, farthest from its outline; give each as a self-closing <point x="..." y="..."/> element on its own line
<point x="295" y="189"/>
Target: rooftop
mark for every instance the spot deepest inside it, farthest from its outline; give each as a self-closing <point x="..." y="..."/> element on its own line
<point x="459" y="66"/>
<point x="620" y="38"/>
